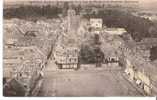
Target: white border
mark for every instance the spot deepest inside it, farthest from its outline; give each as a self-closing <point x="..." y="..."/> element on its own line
<point x="78" y="98"/>
<point x="1" y="47"/>
<point x="54" y="98"/>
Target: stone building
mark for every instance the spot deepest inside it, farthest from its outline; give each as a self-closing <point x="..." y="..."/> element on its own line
<point x="66" y="57"/>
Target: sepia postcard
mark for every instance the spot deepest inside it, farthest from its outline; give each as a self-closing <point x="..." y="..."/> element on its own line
<point x="79" y="48"/>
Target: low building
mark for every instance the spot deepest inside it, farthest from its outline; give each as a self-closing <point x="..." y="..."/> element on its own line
<point x="115" y="31"/>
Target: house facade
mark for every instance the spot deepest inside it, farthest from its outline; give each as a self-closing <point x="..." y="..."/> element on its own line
<point x="66" y="57"/>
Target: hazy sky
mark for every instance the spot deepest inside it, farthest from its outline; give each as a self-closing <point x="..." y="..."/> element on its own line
<point x="150" y="4"/>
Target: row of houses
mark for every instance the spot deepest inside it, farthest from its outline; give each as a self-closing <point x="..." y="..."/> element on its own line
<point x="65" y="50"/>
<point x="23" y="64"/>
<point x="139" y="71"/>
<point x="134" y="56"/>
<point x="68" y="56"/>
<point x="144" y="75"/>
<point x="25" y="56"/>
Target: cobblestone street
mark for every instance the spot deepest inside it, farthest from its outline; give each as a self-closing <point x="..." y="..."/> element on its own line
<point x="85" y="83"/>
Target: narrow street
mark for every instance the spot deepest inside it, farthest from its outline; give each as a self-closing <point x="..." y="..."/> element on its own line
<point x="85" y="83"/>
